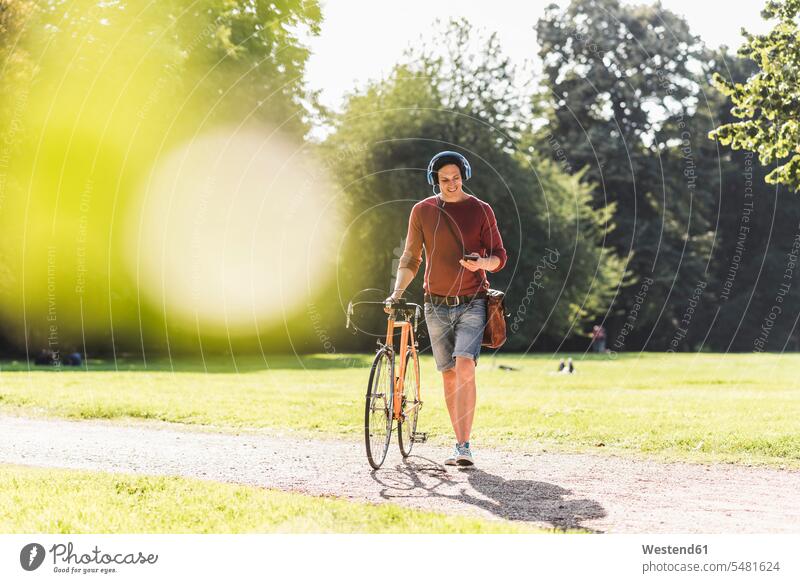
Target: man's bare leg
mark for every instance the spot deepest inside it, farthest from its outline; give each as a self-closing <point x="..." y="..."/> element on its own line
<point x="465" y="397"/>
<point x="459" y="394"/>
<point x="450" y="387"/>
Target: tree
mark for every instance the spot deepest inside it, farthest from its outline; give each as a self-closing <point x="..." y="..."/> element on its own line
<point x="116" y="86"/>
<point x="451" y="98"/>
<point x="16" y="70"/>
<point x="618" y="96"/>
<point x="753" y="299"/>
<point x="768" y="103"/>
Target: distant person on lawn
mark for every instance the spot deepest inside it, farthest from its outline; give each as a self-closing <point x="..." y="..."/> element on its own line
<point x="457" y="257"/>
<point x="599" y="339"/>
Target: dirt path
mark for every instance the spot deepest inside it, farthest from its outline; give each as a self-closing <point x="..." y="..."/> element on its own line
<point x="601" y="494"/>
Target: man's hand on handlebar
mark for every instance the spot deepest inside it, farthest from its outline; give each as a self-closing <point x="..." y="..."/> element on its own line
<point x="394" y="297"/>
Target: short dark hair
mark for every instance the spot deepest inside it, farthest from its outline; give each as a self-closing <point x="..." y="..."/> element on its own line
<point x="444" y="161"/>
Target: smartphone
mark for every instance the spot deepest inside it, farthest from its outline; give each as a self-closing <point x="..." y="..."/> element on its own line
<point x="472" y="257"/>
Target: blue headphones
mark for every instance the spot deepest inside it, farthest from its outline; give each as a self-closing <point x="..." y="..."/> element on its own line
<point x="464" y="162"/>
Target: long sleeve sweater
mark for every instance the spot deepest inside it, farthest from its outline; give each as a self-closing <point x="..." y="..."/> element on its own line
<point x="475" y="225"/>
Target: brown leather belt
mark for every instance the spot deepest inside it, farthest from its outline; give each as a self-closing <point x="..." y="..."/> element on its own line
<point x="453" y="301"/>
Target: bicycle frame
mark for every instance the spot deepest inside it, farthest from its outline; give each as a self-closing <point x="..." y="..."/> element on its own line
<point x="405" y="416"/>
<point x="406" y="340"/>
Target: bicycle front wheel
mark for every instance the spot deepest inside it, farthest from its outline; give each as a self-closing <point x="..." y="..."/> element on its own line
<point x="409" y="406"/>
<point x="378" y="408"/>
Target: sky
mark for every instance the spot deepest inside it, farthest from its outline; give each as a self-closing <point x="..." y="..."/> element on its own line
<point x="362" y="40"/>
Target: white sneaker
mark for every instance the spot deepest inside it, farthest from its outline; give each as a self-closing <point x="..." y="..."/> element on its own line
<point x="452" y="460"/>
<point x="464" y="457"/>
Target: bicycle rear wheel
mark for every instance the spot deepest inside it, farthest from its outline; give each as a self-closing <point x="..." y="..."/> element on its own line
<point x="378" y="408"/>
<point x="409" y="406"/>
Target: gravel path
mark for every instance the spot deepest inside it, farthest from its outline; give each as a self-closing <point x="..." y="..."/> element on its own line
<point x="583" y="491"/>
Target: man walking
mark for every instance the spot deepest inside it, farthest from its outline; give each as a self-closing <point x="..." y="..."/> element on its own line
<point x="462" y="242"/>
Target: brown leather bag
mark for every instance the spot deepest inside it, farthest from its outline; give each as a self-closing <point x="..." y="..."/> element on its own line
<point x="494" y="334"/>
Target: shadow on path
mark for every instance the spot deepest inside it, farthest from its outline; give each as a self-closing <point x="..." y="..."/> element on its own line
<point x="526" y="500"/>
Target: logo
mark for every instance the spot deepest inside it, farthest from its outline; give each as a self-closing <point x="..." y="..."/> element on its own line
<point x="31" y="556"/>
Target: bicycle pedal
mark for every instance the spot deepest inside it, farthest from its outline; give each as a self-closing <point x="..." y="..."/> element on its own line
<point x="418" y="437"/>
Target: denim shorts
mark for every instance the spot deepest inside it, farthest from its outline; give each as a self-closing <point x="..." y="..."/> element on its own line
<point x="455" y="331"/>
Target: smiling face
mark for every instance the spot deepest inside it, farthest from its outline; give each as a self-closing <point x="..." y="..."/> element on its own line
<point x="450" y="180"/>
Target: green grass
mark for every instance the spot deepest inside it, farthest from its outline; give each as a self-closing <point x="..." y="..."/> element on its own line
<point x="706" y="407"/>
<point x="77" y="502"/>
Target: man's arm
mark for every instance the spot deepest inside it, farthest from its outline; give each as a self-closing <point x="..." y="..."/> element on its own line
<point x="404" y="278"/>
<point x="493" y="242"/>
<point x="411" y="258"/>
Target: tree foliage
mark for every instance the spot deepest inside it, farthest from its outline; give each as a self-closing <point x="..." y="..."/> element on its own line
<point x="112" y="89"/>
<point x="753" y="304"/>
<point x="450" y="98"/>
<point x="768" y="103"/>
<point x="629" y="96"/>
<point x="619" y="93"/>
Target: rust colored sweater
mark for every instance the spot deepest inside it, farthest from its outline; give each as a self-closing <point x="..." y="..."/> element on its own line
<point x="474" y="222"/>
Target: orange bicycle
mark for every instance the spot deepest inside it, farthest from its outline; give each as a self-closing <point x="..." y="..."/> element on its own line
<point x="393" y="391"/>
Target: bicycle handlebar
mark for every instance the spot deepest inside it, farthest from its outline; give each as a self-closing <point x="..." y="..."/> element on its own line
<point x="397" y="306"/>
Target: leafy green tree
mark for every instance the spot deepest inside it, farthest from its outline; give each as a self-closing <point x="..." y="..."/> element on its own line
<point x="116" y="86"/>
<point x="229" y="59"/>
<point x="752" y="300"/>
<point x="15" y="62"/>
<point x="450" y="98"/>
<point x="618" y="96"/>
<point x="768" y="102"/>
<point x="16" y="70"/>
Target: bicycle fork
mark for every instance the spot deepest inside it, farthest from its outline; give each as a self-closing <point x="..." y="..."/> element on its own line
<point x="406" y="340"/>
